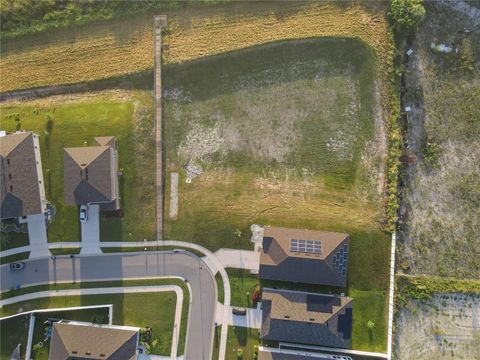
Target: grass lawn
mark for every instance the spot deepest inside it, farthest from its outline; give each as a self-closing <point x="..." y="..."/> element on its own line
<point x="12" y="240"/>
<point x="220" y="288"/>
<point x="114" y="48"/>
<point x="285" y="135"/>
<point x="241" y="338"/>
<point x="126" y="309"/>
<point x="69" y="121"/>
<point x="13" y="258"/>
<point x="14" y="331"/>
<point x="242" y="285"/>
<point x="65" y="251"/>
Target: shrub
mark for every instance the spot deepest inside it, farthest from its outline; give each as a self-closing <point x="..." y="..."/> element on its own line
<point x="406" y="15"/>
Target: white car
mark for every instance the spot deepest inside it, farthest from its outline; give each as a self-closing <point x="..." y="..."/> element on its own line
<point x="83" y="213"/>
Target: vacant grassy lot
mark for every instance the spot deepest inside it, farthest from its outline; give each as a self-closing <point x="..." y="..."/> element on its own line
<point x="286" y="134"/>
<point x="121" y="47"/>
<point x="442" y="221"/>
<point x="14" y="331"/>
<point x="69" y="121"/>
<point x="126" y="311"/>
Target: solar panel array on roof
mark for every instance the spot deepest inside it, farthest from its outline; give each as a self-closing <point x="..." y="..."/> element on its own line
<point x="340" y="260"/>
<point x="306" y="246"/>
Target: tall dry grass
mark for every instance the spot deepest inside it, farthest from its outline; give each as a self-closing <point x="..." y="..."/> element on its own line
<point x="125" y="47"/>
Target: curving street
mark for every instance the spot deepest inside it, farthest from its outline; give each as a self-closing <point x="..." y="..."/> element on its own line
<point x="123" y="266"/>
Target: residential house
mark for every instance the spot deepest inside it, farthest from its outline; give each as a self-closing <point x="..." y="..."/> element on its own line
<point x="304" y="256"/>
<point x="79" y="340"/>
<point x="284" y="354"/>
<point x="21" y="176"/>
<point x="91" y="174"/>
<point x="306" y="318"/>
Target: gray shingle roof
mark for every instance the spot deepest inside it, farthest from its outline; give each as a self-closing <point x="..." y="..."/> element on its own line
<point x="305" y="318"/>
<point x="72" y="341"/>
<point x="19" y="183"/>
<point x="91" y="175"/>
<point x="278" y="262"/>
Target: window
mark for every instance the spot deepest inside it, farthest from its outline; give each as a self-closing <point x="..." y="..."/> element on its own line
<point x="306" y="246"/>
<point x="11" y="188"/>
<point x="8" y="161"/>
<point x="10" y="176"/>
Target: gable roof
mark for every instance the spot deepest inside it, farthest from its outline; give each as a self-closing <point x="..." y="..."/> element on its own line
<point x="90" y="174"/>
<point x="104" y="140"/>
<point x="283" y="354"/>
<point x="326" y="266"/>
<point x="20" y="185"/>
<point x="73" y="341"/>
<point x="306" y="318"/>
<point x="84" y="156"/>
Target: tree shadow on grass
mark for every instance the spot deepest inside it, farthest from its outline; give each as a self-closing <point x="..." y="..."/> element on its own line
<point x="241" y="334"/>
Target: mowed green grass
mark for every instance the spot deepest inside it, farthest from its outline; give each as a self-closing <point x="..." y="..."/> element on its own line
<point x="281" y="133"/>
<point x="75" y="123"/>
<point x="126" y="311"/>
<point x="14" y="331"/>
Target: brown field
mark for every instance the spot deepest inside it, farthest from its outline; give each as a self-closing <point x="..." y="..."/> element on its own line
<point x="123" y="47"/>
<point x="441" y="222"/>
<point x="445" y="327"/>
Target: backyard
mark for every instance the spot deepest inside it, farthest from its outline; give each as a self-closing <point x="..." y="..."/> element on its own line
<point x="14" y="331"/>
<point x="74" y="120"/>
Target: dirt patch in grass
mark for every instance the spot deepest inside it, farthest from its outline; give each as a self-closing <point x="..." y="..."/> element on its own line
<point x="445" y="327"/>
<point x="441" y="223"/>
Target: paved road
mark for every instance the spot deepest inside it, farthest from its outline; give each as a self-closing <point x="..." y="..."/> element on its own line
<point x="133" y="265"/>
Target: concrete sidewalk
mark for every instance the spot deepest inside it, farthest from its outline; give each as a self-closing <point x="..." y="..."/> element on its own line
<point x="114" y="290"/>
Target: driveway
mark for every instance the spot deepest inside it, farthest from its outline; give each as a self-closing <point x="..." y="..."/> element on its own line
<point x="91" y="231"/>
<point x="37" y="235"/>
<point x="125" y="266"/>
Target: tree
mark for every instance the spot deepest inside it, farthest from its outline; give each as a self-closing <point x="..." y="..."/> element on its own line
<point x="406" y="15"/>
<point x="370" y="324"/>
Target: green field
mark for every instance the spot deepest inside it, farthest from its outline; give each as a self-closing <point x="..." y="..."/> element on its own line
<point x="285" y="135"/>
<point x="125" y="309"/>
<point x="73" y="120"/>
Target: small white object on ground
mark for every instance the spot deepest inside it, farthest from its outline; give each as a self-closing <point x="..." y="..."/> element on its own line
<point x="409" y="52"/>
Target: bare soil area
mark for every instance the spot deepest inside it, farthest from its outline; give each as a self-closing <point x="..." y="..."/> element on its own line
<point x="440" y="216"/>
<point x="445" y="327"/>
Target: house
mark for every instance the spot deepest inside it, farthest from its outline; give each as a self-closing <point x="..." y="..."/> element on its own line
<point x="284" y="354"/>
<point x="304" y="256"/>
<point x="21" y="176"/>
<point x="306" y="318"/>
<point x="91" y="174"/>
<point x="79" y="340"/>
